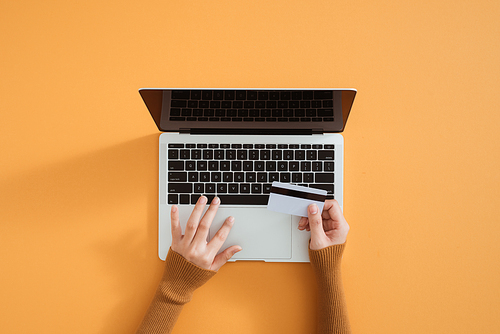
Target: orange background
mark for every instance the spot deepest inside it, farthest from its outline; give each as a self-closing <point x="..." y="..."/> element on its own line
<point x="78" y="186"/>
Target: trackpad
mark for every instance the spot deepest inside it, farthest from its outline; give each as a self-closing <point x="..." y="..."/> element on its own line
<point x="262" y="234"/>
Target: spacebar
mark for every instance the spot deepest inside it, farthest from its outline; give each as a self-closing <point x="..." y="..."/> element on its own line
<point x="243" y="199"/>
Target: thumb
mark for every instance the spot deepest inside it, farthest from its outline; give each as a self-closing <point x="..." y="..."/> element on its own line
<point x="316" y="225"/>
<point x="223" y="257"/>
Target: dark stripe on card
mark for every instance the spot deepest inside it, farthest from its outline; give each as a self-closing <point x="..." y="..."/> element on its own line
<point x="298" y="194"/>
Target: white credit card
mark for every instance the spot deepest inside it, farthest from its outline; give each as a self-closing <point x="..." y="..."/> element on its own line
<point x="293" y="199"/>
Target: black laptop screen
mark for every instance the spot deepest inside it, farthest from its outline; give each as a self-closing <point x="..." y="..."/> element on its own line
<point x="249" y="111"/>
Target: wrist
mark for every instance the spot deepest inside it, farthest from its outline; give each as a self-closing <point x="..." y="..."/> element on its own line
<point x="182" y="277"/>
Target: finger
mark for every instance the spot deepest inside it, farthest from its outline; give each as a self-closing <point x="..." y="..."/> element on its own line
<point x="302" y="223"/>
<point x="206" y="221"/>
<point x="223" y="257"/>
<point x="333" y="209"/>
<point x="175" y="225"/>
<point x="220" y="237"/>
<point x="315" y="223"/>
<point x="194" y="219"/>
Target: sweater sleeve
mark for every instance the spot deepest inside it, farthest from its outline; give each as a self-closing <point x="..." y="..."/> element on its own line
<point x="332" y="310"/>
<point x="176" y="288"/>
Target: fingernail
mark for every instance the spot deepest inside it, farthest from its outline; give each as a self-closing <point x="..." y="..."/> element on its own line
<point x="174" y="208"/>
<point x="203" y="200"/>
<point x="313" y="208"/>
<point x="216" y="200"/>
<point x="231" y="219"/>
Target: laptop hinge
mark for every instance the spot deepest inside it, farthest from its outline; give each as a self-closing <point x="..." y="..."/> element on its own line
<point x="202" y="131"/>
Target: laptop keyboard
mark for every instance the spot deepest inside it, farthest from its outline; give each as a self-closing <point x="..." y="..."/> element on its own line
<point x="242" y="174"/>
<point x="252" y="105"/>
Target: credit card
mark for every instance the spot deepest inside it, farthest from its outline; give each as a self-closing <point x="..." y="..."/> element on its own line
<point x="293" y="199"/>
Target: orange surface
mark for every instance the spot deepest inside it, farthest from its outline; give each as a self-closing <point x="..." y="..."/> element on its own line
<point x="78" y="162"/>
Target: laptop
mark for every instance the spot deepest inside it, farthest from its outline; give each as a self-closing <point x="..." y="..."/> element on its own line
<point x="234" y="143"/>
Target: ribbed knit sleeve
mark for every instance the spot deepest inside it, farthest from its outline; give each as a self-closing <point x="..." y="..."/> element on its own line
<point x="176" y="288"/>
<point x="332" y="311"/>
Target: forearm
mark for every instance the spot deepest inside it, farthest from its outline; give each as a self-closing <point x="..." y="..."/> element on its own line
<point x="332" y="310"/>
<point x="176" y="288"/>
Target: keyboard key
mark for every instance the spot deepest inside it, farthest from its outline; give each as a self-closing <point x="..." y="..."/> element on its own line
<point x="227" y="177"/>
<point x="327" y="187"/>
<point x="241" y="95"/>
<point x="229" y="94"/>
<point x="236" y="165"/>
<point x="208" y="154"/>
<point x="225" y="165"/>
<point x="239" y="177"/>
<point x="324" y="177"/>
<point x="261" y="177"/>
<point x="325" y="112"/>
<point x="210" y="188"/>
<point x="181" y="94"/>
<point x="245" y="188"/>
<point x="196" y="94"/>
<point x="305" y="166"/>
<point x="244" y="199"/>
<point x="215" y="177"/>
<point x="296" y="177"/>
<point x="206" y="94"/>
<point x="190" y="165"/>
<point x="293" y="166"/>
<point x="173" y="154"/>
<point x="296" y="95"/>
<point x="184" y="199"/>
<point x="323" y="95"/>
<point x="204" y="177"/>
<point x="251" y="95"/>
<point x="177" y="176"/>
<point x="173" y="199"/>
<point x="308" y="177"/>
<point x="265" y="155"/>
<point x="328" y="166"/>
<point x="317" y="166"/>
<point x="256" y="188"/>
<point x="307" y="95"/>
<point x="326" y="155"/>
<point x="178" y="104"/>
<point x="193" y="176"/>
<point x="180" y="188"/>
<point x="311" y="155"/>
<point x="270" y="165"/>
<point x="221" y="188"/>
<point x="233" y="188"/>
<point x="274" y="177"/>
<point x="219" y="154"/>
<point x="196" y="154"/>
<point x="218" y="95"/>
<point x="176" y="165"/>
<point x="250" y="177"/>
<point x="213" y="165"/>
<point x="285" y="177"/>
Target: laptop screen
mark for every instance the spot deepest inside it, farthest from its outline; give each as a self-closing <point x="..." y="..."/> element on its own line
<point x="249" y="111"/>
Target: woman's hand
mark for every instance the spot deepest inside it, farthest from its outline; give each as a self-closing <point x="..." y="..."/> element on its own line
<point x="193" y="244"/>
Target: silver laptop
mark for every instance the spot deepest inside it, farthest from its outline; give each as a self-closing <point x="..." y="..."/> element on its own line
<point x="233" y="143"/>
